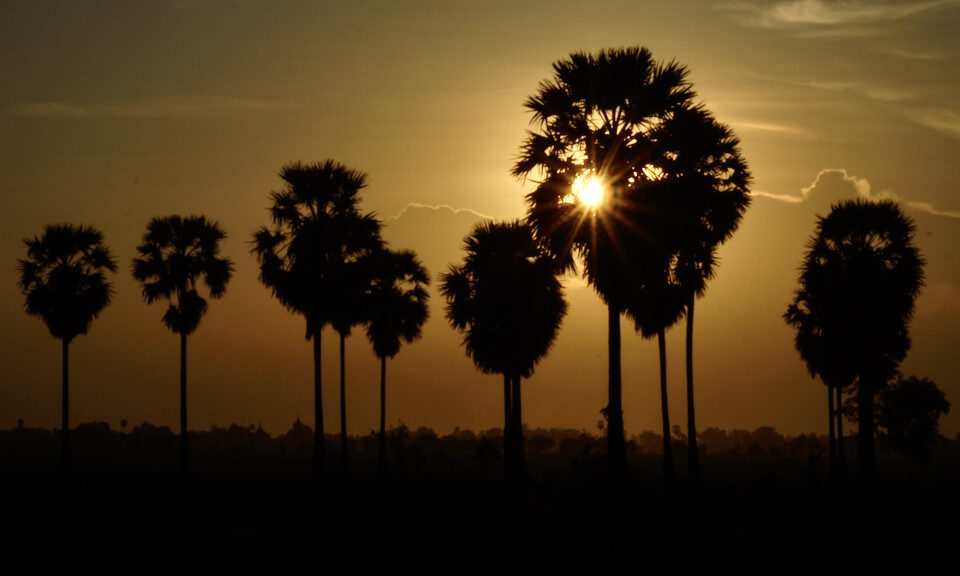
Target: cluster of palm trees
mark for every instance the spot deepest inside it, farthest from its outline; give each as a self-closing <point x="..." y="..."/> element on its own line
<point x="667" y="186"/>
<point x="675" y="187"/>
<point x="322" y="258"/>
<point x="859" y="280"/>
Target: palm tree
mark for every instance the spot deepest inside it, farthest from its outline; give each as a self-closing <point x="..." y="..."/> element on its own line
<point x="316" y="227"/>
<point x="700" y="159"/>
<point x="397" y="312"/>
<point x="176" y="256"/>
<point x="653" y="309"/>
<point x="507" y="300"/>
<point x="859" y="280"/>
<point x="65" y="283"/>
<point x="594" y="118"/>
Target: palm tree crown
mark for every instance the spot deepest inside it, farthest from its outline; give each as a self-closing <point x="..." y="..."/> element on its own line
<point x="176" y="257"/>
<point x="505" y="297"/>
<point x="317" y="228"/>
<point x="397" y="301"/>
<point x="64" y="278"/>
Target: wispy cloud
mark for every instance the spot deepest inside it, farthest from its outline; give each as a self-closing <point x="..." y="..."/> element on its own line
<point x="770" y="127"/>
<point x="939" y="119"/>
<point x="151" y="108"/>
<point x="835" y="184"/>
<point x="872" y="92"/>
<point x="826" y="13"/>
<point x="440" y="208"/>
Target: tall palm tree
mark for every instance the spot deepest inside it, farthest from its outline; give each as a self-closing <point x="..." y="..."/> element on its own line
<point x="507" y="300"/>
<point x="397" y="312"/>
<point x="313" y="219"/>
<point x="594" y="117"/>
<point x="859" y="280"/>
<point x="353" y="276"/>
<point x="65" y="283"/>
<point x="699" y="158"/>
<point x="653" y="309"/>
<point x="176" y="257"/>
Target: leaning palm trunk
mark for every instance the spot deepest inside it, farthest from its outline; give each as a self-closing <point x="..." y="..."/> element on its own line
<point x="382" y="452"/>
<point x="65" y="408"/>
<point x="344" y="456"/>
<point x="616" y="446"/>
<point x="184" y="444"/>
<point x="519" y="452"/>
<point x="669" y="477"/>
<point x="693" y="450"/>
<point x="319" y="451"/>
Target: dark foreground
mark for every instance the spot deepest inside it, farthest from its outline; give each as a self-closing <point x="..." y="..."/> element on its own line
<point x="367" y="526"/>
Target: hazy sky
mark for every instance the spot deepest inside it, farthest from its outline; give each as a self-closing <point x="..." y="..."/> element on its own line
<point x="114" y="112"/>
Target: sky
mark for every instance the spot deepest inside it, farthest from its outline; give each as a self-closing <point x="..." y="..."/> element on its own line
<point x="115" y="112"/>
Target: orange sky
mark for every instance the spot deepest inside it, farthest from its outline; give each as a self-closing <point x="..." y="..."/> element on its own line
<point x="112" y="114"/>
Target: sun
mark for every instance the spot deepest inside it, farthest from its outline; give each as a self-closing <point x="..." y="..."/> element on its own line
<point x="588" y="189"/>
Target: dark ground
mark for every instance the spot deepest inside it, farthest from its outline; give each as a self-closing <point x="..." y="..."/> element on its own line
<point x="252" y="508"/>
<point x="470" y="527"/>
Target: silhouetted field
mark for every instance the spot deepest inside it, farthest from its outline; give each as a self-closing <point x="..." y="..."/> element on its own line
<point x="250" y="503"/>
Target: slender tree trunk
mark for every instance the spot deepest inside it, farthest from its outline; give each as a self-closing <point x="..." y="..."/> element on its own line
<point x="319" y="448"/>
<point x="519" y="450"/>
<point x="841" y="451"/>
<point x="616" y="446"/>
<point x="184" y="442"/>
<point x="693" y="449"/>
<point x="507" y="430"/>
<point x="344" y="456"/>
<point x="832" y="440"/>
<point x="866" y="453"/>
<point x="382" y="455"/>
<point x="669" y="476"/>
<point x="65" y="410"/>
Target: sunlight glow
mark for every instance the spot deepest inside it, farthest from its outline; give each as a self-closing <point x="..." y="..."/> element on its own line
<point x="588" y="189"/>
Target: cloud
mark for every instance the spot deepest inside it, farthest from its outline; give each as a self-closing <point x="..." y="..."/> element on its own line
<point x="151" y="108"/>
<point x="836" y="184"/>
<point x="873" y="93"/>
<point x="769" y="127"/>
<point x="825" y="13"/>
<point x="939" y="119"/>
<point x="416" y="206"/>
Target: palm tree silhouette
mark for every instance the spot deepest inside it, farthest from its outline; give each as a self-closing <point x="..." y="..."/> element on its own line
<point x="397" y="312"/>
<point x="176" y="256"/>
<point x="65" y="283"/>
<point x="316" y="231"/>
<point x="700" y="159"/>
<point x="654" y="308"/>
<point x="507" y="300"/>
<point x="858" y="283"/>
<point x="595" y="117"/>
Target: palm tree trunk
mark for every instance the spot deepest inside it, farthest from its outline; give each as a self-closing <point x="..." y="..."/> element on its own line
<point x="841" y="451"/>
<point x="693" y="449"/>
<point x="319" y="450"/>
<point x="382" y="454"/>
<point x="832" y="440"/>
<point x="519" y="451"/>
<point x="184" y="447"/>
<point x="616" y="446"/>
<point x="866" y="454"/>
<point x="343" y="404"/>
<point x="669" y="476"/>
<point x="507" y="429"/>
<point x="65" y="411"/>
